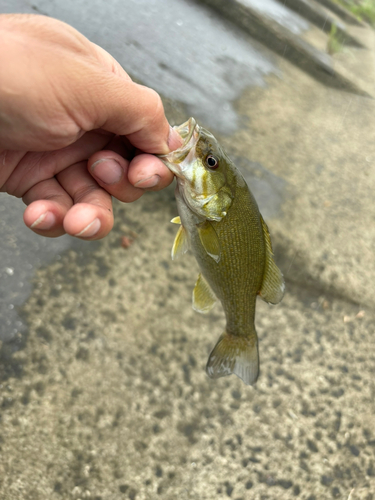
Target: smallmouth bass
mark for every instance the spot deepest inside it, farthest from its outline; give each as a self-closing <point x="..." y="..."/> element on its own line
<point x="221" y="223"/>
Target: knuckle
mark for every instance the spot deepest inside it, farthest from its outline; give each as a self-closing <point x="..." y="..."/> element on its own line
<point x="88" y="192"/>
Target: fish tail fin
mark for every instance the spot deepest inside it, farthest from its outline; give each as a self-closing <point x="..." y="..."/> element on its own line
<point x="235" y="354"/>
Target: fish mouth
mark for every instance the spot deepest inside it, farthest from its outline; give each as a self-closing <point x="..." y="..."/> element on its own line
<point x="190" y="133"/>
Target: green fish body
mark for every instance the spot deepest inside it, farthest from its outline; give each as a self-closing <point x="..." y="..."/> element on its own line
<point x="221" y="223"/>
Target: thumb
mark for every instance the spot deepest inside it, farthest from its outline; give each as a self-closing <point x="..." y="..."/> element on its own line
<point x="128" y="109"/>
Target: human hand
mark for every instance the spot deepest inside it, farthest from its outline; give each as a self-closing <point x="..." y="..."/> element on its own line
<point x="71" y="122"/>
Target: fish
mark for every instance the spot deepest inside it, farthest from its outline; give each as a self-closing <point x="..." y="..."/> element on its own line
<point x="219" y="220"/>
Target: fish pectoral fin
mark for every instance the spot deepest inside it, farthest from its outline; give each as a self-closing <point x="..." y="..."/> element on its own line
<point x="235" y="354"/>
<point x="176" y="220"/>
<point x="180" y="244"/>
<point x="273" y="286"/>
<point x="204" y="298"/>
<point x="209" y="240"/>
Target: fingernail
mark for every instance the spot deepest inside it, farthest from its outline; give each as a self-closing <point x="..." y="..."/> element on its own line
<point x="149" y="182"/>
<point x="90" y="230"/>
<point x="174" y="139"/>
<point x="44" y="221"/>
<point x="107" y="170"/>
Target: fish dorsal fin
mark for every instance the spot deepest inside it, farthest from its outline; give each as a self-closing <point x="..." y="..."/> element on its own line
<point x="273" y="286"/>
<point x="203" y="297"/>
<point x="209" y="240"/>
<point x="176" y="220"/>
<point x="180" y="244"/>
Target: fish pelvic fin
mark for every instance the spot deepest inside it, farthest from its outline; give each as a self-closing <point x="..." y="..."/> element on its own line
<point x="235" y="354"/>
<point x="181" y="243"/>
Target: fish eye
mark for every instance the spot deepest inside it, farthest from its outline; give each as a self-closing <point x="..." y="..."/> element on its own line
<point x="212" y="162"/>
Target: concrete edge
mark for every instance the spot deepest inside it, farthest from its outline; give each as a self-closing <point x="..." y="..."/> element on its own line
<point x="347" y="16"/>
<point x="321" y="18"/>
<point x="289" y="46"/>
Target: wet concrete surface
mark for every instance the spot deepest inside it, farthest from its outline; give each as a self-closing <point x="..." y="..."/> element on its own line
<point x="21" y="251"/>
<point x="103" y="393"/>
<point x="279" y="13"/>
<point x="193" y="57"/>
<point x="110" y="393"/>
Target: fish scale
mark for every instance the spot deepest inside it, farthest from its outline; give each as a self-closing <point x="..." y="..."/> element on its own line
<point x="241" y="273"/>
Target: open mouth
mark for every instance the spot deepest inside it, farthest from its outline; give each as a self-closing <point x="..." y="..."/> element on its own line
<point x="189" y="132"/>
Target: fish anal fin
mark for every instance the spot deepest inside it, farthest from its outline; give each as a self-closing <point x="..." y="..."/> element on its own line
<point x="203" y="297"/>
<point x="209" y="240"/>
<point x="235" y="354"/>
<point x="273" y="286"/>
<point x="180" y="244"/>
